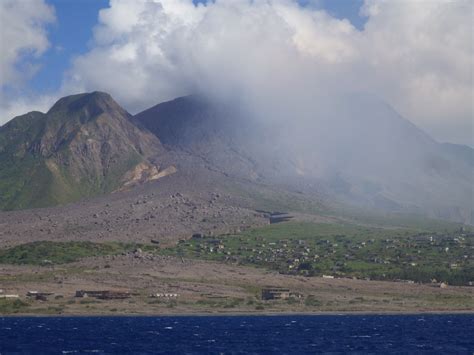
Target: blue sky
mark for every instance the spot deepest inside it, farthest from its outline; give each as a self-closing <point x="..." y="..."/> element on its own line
<point x="70" y="36"/>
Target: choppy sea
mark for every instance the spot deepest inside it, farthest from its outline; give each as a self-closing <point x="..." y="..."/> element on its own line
<point x="335" y="334"/>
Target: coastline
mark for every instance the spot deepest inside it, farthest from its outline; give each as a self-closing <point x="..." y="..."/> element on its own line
<point x="244" y="314"/>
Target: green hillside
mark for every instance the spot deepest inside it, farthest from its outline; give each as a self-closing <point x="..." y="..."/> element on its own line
<point x="81" y="147"/>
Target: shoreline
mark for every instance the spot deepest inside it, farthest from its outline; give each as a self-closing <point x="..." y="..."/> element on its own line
<point x="243" y="314"/>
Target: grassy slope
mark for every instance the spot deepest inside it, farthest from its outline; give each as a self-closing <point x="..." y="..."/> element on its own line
<point x="46" y="253"/>
<point x="343" y="250"/>
<point x="30" y="178"/>
<point x="296" y="248"/>
<point x="268" y="198"/>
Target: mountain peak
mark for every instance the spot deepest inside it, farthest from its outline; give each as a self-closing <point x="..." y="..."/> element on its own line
<point x="83" y="146"/>
<point x="93" y="104"/>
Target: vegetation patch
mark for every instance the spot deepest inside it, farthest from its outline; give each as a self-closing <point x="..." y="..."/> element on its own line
<point x="48" y="253"/>
<point x="344" y="250"/>
<point x="12" y="306"/>
<point x="311" y="301"/>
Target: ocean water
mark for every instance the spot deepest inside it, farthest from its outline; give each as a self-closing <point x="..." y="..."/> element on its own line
<point x="357" y="334"/>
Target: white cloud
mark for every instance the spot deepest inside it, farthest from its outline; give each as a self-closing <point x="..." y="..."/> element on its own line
<point x="170" y="48"/>
<point x="421" y="55"/>
<point x="22" y="35"/>
<point x="417" y="55"/>
<point x="21" y="105"/>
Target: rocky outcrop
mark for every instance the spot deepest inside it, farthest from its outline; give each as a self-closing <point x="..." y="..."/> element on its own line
<point x="145" y="172"/>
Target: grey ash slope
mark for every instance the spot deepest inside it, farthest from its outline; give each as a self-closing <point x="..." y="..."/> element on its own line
<point x="222" y="136"/>
<point x="354" y="150"/>
<point x="83" y="146"/>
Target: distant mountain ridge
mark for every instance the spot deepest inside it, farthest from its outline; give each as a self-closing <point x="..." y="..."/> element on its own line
<point x="357" y="151"/>
<point x="83" y="146"/>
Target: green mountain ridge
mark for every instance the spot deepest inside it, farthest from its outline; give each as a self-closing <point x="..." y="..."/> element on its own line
<point x="83" y="146"/>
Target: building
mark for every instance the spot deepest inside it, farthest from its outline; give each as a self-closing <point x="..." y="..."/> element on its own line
<point x="275" y="293"/>
<point x="9" y="296"/>
<point x="39" y="296"/>
<point x="164" y="295"/>
<point x="104" y="295"/>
